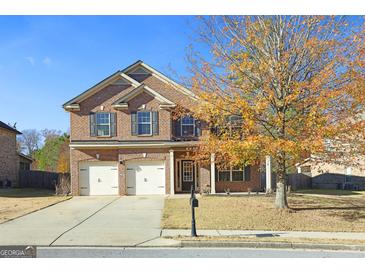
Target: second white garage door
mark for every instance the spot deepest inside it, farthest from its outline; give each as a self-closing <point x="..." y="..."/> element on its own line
<point x="145" y="178"/>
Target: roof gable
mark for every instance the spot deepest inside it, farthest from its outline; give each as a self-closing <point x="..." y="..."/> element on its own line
<point x="122" y="77"/>
<point x="137" y="66"/>
<point x="122" y="103"/>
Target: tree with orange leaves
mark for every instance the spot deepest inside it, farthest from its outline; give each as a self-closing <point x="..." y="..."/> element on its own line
<point x="288" y="82"/>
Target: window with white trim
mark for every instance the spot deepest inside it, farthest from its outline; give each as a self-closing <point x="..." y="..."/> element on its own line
<point x="144" y="119"/>
<point x="188" y="172"/>
<point x="102" y="124"/>
<point x="234" y="174"/>
<point x="187" y="126"/>
<point x="235" y="124"/>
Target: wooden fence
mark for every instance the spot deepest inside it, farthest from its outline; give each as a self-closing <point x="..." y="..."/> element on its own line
<point x="60" y="182"/>
<point x="299" y="181"/>
<point x="294" y="180"/>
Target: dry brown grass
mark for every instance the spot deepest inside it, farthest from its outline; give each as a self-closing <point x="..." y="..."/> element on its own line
<point x="16" y="202"/>
<point x="271" y="239"/>
<point x="306" y="213"/>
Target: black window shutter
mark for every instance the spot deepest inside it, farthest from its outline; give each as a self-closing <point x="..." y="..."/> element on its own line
<point x="177" y="128"/>
<point x="198" y="130"/>
<point x="92" y="124"/>
<point x="247" y="173"/>
<point x="134" y="124"/>
<point x="155" y="122"/>
<point x="113" y="124"/>
<point x="216" y="174"/>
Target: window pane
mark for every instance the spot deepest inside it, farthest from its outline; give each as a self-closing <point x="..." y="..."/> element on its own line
<point x="102" y="130"/>
<point x="144" y="129"/>
<point x="188" y="171"/>
<point x="187" y="120"/>
<point x="224" y="176"/>
<point x="187" y="130"/>
<point x="102" y="118"/>
<point x="144" y="123"/>
<point x="144" y="117"/>
<point x="237" y="175"/>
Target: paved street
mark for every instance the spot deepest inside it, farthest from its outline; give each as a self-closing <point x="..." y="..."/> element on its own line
<point x="52" y="252"/>
<point x="89" y="221"/>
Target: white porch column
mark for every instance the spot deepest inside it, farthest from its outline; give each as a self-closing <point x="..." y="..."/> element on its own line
<point x="172" y="173"/>
<point x="268" y="174"/>
<point x="212" y="173"/>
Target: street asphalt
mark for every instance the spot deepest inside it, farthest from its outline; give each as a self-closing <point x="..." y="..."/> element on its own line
<point x="60" y="252"/>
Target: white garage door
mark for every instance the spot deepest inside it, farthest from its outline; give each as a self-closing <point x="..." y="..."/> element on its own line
<point x="145" y="178"/>
<point x="99" y="178"/>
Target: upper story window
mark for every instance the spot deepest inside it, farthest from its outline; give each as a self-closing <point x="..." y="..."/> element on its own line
<point x="103" y="124"/>
<point x="232" y="127"/>
<point x="144" y="123"/>
<point x="187" y="126"/>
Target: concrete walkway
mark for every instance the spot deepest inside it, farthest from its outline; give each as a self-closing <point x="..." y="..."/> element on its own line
<point x="266" y="233"/>
<point x="89" y="221"/>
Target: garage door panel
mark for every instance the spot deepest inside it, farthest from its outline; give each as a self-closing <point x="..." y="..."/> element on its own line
<point x="100" y="178"/>
<point x="145" y="178"/>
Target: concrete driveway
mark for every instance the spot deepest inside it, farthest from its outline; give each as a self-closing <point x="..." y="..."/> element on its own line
<point x="89" y="221"/>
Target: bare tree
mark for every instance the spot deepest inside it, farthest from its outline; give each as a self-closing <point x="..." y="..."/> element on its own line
<point x="29" y="141"/>
<point x="48" y="134"/>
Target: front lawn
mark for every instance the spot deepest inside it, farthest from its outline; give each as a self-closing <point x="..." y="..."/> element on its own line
<point x="336" y="192"/>
<point x="15" y="202"/>
<point x="306" y="213"/>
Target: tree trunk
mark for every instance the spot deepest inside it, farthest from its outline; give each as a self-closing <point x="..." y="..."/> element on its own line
<point x="280" y="199"/>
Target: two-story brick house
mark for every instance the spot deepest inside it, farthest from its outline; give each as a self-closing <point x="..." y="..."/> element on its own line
<point x="9" y="158"/>
<point x="124" y="140"/>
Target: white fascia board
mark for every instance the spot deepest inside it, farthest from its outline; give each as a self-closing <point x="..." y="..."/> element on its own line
<point x="130" y="79"/>
<point x="167" y="106"/>
<point x="158" y="96"/>
<point x="92" y="90"/>
<point x="100" y="86"/>
<point x="133" y="145"/>
<point x="138" y="90"/>
<point x="163" y="78"/>
<point x="121" y="106"/>
<point x="167" y="80"/>
<point x="72" y="107"/>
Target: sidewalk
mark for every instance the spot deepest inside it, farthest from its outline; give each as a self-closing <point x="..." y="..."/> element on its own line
<point x="266" y="233"/>
<point x="220" y="238"/>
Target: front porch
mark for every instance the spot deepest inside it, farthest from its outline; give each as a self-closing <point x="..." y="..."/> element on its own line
<point x="185" y="171"/>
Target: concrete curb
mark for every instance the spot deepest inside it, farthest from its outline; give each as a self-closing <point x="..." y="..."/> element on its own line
<point x="343" y="247"/>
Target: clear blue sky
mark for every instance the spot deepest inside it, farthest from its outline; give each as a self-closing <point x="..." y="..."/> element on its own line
<point x="47" y="60"/>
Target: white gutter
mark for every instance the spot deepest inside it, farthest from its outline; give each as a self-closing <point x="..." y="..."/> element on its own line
<point x="133" y="145"/>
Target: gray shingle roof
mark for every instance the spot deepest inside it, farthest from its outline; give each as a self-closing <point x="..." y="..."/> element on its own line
<point x="5" y="126"/>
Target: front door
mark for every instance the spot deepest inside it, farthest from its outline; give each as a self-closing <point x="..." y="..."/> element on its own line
<point x="187" y="175"/>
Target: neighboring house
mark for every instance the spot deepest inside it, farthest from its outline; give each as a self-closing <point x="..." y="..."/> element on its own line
<point x="9" y="158"/>
<point x="333" y="175"/>
<point x="125" y="141"/>
<point x="25" y="162"/>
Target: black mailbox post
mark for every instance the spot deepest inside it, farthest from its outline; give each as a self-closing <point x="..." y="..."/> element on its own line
<point x="193" y="203"/>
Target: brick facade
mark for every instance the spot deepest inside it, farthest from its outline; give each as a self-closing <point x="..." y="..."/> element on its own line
<point x="253" y="184"/>
<point x="9" y="159"/>
<point x="102" y="101"/>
